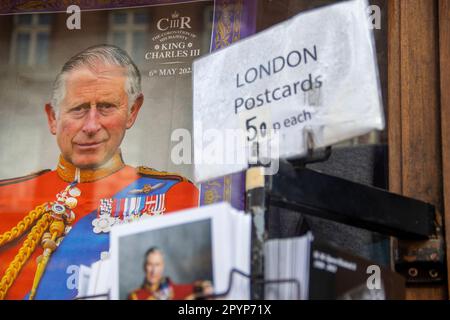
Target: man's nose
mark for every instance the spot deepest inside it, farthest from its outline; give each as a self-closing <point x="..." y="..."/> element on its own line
<point x="92" y="123"/>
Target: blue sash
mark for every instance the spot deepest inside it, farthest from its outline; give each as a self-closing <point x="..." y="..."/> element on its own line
<point x="83" y="247"/>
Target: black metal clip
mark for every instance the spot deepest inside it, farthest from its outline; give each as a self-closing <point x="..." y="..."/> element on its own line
<point x="253" y="281"/>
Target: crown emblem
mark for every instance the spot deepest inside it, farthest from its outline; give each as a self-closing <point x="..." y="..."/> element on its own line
<point x="175" y="15"/>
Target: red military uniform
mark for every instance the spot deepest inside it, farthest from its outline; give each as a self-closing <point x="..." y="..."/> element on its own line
<point x="167" y="290"/>
<point x="117" y="190"/>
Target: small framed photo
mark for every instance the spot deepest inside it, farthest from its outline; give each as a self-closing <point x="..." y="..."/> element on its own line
<point x="174" y="257"/>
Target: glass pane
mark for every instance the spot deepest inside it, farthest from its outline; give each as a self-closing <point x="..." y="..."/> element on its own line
<point x="276" y="11"/>
<point x="362" y="159"/>
<point x="210" y="14"/>
<point x="24" y="19"/>
<point x="44" y="19"/>
<point x="140" y="18"/>
<point x="119" y="39"/>
<point x="42" y="46"/>
<point x="120" y="18"/>
<point x="22" y="48"/>
<point x="139" y="45"/>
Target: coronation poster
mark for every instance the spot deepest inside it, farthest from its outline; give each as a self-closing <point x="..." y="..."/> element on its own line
<point x="162" y="37"/>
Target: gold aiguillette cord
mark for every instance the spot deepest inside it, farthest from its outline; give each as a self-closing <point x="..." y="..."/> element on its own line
<point x="57" y="228"/>
<point x="27" y="248"/>
<point x="52" y="217"/>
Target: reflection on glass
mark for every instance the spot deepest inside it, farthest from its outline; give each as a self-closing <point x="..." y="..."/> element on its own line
<point x="23" y="48"/>
<point x="44" y="19"/>
<point x="42" y="48"/>
<point x="24" y="19"/>
<point x="119" y="18"/>
<point x="140" y="18"/>
<point x="139" y="44"/>
<point x="119" y="39"/>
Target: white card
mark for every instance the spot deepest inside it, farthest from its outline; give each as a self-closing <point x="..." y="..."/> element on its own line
<point x="175" y="230"/>
<point x="315" y="73"/>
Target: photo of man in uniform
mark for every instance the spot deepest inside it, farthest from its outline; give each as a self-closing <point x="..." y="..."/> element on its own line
<point x="156" y="286"/>
<point x="96" y="98"/>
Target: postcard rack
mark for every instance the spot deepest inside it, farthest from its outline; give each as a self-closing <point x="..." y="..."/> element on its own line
<point x="309" y="192"/>
<point x="254" y="281"/>
<point x="218" y="295"/>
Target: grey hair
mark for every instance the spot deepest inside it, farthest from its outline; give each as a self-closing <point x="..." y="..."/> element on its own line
<point x="90" y="57"/>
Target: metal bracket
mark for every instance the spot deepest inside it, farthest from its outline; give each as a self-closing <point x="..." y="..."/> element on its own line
<point x="255" y="185"/>
<point x="420" y="255"/>
<point x="337" y="199"/>
<point x="422" y="261"/>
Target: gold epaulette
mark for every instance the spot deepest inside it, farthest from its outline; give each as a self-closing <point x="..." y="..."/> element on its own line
<point x="30" y="176"/>
<point x="150" y="172"/>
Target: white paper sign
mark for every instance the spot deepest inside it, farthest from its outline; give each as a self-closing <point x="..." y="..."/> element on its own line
<point x="315" y="74"/>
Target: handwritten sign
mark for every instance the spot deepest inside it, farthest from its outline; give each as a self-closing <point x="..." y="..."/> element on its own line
<point x="315" y="75"/>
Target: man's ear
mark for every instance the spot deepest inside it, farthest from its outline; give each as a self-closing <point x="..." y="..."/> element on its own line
<point x="135" y="110"/>
<point x="51" y="118"/>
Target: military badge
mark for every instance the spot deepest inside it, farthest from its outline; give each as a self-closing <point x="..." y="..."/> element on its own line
<point x="147" y="188"/>
<point x="103" y="223"/>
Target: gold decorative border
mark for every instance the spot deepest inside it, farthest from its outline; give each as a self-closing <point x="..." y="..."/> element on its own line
<point x="30" y="6"/>
<point x="227" y="188"/>
<point x="228" y="24"/>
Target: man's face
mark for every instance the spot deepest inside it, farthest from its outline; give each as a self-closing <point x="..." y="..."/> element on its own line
<point x="154" y="267"/>
<point x="93" y="115"/>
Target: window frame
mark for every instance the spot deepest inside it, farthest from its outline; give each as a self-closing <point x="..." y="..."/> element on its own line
<point x="33" y="29"/>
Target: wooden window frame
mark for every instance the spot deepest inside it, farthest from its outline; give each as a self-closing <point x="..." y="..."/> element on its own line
<point x="419" y="109"/>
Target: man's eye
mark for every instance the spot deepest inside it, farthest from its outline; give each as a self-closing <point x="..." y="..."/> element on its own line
<point x="105" y="106"/>
<point x="79" y="110"/>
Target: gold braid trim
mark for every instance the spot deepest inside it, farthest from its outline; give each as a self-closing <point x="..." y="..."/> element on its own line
<point x="22" y="226"/>
<point x="24" y="253"/>
<point x="147" y="171"/>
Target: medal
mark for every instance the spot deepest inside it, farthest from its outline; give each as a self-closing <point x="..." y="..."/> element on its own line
<point x="71" y="202"/>
<point x="65" y="202"/>
<point x="103" y="223"/>
<point x="117" y="211"/>
<point x="74" y="192"/>
<point x="58" y="208"/>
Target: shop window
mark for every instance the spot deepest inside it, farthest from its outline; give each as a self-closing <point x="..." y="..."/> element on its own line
<point x="31" y="39"/>
<point x="128" y="30"/>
